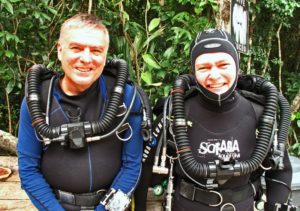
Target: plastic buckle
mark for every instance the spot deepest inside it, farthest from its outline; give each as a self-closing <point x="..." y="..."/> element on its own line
<point x="66" y="197"/>
<point x="108" y="196"/>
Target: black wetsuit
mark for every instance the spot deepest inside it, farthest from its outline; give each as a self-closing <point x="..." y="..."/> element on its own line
<point x="104" y="164"/>
<point x="218" y="132"/>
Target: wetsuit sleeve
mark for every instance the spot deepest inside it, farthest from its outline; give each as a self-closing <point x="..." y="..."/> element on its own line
<point x="128" y="176"/>
<point x="29" y="156"/>
<point x="278" y="183"/>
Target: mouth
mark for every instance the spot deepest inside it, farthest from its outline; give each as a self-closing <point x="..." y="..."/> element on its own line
<point x="83" y="69"/>
<point x="216" y="85"/>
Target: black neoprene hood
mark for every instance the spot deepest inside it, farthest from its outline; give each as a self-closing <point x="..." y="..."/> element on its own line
<point x="213" y="41"/>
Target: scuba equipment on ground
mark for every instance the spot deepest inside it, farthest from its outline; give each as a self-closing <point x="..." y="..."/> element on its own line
<point x="77" y="134"/>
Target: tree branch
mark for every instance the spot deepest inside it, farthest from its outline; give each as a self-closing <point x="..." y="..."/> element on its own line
<point x="90" y="6"/>
<point x="251" y="29"/>
<point x="280" y="59"/>
<point x="134" y="53"/>
<point x="9" y="114"/>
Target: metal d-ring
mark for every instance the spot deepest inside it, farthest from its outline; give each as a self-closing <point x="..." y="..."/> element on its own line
<point x="265" y="168"/>
<point x="125" y="139"/>
<point x="224" y="205"/>
<point x="123" y="106"/>
<point x="221" y="199"/>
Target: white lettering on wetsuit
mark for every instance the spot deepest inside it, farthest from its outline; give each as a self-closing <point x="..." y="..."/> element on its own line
<point x="223" y="149"/>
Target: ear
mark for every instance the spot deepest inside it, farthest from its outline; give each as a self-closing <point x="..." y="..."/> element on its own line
<point x="59" y="51"/>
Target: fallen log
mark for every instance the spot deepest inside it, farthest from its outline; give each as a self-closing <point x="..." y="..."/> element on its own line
<point x="8" y="142"/>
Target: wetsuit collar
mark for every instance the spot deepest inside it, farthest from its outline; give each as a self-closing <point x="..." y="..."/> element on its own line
<point x="220" y="106"/>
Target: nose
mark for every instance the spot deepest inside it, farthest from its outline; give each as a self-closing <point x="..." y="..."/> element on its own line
<point x="214" y="73"/>
<point x="86" y="56"/>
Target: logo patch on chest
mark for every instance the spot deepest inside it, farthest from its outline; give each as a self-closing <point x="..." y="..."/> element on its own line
<point x="222" y="148"/>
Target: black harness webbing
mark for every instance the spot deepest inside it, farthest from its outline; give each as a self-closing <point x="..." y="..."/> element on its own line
<point x="83" y="199"/>
<point x="257" y="102"/>
<point x="215" y="197"/>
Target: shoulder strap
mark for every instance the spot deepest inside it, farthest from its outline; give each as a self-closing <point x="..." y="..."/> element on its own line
<point x="257" y="102"/>
<point x="45" y="85"/>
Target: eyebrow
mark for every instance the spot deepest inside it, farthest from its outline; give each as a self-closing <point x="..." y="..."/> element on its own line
<point x="209" y="63"/>
<point x="221" y="61"/>
<point x="203" y="64"/>
<point x="92" y="46"/>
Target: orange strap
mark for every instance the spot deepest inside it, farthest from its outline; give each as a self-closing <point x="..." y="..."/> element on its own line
<point x="177" y="90"/>
<point x="37" y="121"/>
<point x="185" y="149"/>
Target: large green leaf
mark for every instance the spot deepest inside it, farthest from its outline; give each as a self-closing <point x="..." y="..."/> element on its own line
<point x="168" y="53"/>
<point x="153" y="24"/>
<point x="8" y="6"/>
<point x="137" y="43"/>
<point x="53" y="11"/>
<point x="153" y="36"/>
<point x="150" y="60"/>
<point x="9" y="87"/>
<point x="9" y="54"/>
<point x="147" y="77"/>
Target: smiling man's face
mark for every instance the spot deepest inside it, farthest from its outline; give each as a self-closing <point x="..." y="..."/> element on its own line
<point x="216" y="72"/>
<point x="82" y="52"/>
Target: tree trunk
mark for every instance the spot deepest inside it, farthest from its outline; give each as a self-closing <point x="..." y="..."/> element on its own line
<point x="8" y="142"/>
<point x="223" y="18"/>
<point x="296" y="102"/>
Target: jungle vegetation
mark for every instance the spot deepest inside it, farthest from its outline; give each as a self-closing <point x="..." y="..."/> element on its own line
<point x="154" y="37"/>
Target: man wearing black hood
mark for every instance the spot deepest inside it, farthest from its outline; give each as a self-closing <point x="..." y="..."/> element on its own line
<point x="223" y="130"/>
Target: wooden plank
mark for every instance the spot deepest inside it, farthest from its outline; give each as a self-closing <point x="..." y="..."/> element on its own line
<point x="12" y="191"/>
<point x="12" y="197"/>
<point x="16" y="205"/>
<point x="154" y="203"/>
<point x="9" y="162"/>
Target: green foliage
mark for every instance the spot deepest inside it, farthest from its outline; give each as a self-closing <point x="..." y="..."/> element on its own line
<point x="152" y="36"/>
<point x="294" y="149"/>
